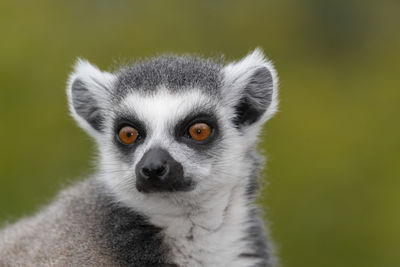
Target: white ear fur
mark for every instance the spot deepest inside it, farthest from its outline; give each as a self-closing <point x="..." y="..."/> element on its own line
<point x="95" y="88"/>
<point x="237" y="75"/>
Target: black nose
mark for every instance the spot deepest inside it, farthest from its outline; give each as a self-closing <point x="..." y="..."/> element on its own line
<point x="157" y="171"/>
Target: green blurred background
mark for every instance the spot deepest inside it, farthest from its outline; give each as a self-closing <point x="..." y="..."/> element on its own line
<point x="334" y="149"/>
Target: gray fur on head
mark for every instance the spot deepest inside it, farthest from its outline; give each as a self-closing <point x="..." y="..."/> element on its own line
<point x="205" y="215"/>
<point x="173" y="72"/>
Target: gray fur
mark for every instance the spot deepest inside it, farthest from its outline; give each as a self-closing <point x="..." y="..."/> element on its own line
<point x="256" y="232"/>
<point x="83" y="227"/>
<point x="174" y="72"/>
<point x="85" y="104"/>
<point x="257" y="97"/>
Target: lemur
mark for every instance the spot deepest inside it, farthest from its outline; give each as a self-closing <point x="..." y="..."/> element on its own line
<point x="177" y="169"/>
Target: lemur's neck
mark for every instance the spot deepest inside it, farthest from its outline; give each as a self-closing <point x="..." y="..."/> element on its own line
<point x="212" y="234"/>
<point x="209" y="215"/>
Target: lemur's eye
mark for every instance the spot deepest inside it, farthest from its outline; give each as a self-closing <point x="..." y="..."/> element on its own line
<point x="128" y="135"/>
<point x="199" y="131"/>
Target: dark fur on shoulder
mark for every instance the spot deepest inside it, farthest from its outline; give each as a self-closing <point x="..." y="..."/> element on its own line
<point x="85" y="227"/>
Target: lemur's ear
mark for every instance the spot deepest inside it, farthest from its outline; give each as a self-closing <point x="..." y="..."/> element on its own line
<point x="251" y="87"/>
<point x="88" y="93"/>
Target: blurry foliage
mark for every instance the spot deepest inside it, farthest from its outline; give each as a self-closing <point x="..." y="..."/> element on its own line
<point x="334" y="150"/>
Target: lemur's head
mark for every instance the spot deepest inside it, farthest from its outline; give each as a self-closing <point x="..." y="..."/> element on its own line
<point x="174" y="127"/>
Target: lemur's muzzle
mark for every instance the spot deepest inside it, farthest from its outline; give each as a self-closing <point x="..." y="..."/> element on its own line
<point x="157" y="171"/>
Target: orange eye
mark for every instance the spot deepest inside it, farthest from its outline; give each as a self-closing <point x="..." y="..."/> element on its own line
<point x="128" y="135"/>
<point x="199" y="131"/>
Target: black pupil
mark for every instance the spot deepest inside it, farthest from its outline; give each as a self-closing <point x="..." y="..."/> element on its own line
<point x="198" y="131"/>
<point x="129" y="134"/>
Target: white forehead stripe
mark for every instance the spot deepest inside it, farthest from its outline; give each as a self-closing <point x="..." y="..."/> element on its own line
<point x="157" y="110"/>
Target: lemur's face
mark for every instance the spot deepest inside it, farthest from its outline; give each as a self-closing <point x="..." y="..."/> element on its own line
<point x="167" y="140"/>
<point x="174" y="125"/>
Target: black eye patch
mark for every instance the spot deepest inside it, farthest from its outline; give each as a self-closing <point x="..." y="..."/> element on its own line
<point x="138" y="125"/>
<point x="182" y="130"/>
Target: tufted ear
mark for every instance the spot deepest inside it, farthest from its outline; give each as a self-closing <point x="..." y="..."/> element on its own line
<point x="251" y="88"/>
<point x="89" y="91"/>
